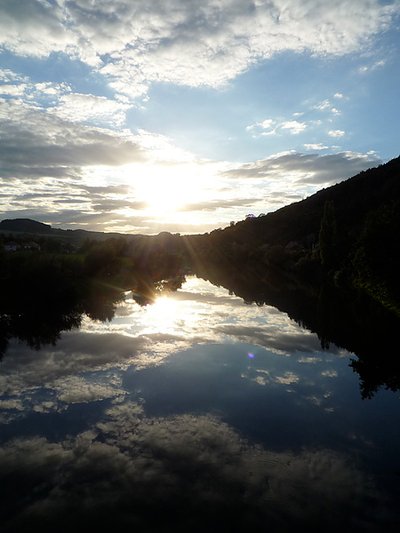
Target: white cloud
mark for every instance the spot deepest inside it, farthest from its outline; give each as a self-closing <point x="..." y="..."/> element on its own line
<point x="78" y="107"/>
<point x="326" y="105"/>
<point x="315" y="146"/>
<point x="8" y="76"/>
<point x="60" y="100"/>
<point x="323" y="106"/>
<point x="184" y="41"/>
<point x="12" y="90"/>
<point x="364" y="69"/>
<point x="293" y="126"/>
<point x="271" y="126"/>
<point x="336" y="133"/>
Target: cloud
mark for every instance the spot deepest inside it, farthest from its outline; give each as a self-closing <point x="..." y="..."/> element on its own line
<point x="293" y="126"/>
<point x="33" y="139"/>
<point x="59" y="99"/>
<point x="186" y="42"/>
<point x="305" y="168"/>
<point x="326" y="105"/>
<point x="365" y="69"/>
<point x="211" y="205"/>
<point x="271" y="126"/>
<point x="336" y="133"/>
<point x="9" y="76"/>
<point x="87" y="107"/>
<point x="315" y="146"/>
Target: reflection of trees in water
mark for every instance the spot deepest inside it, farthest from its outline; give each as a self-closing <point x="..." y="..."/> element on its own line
<point x="145" y="290"/>
<point x="37" y="313"/>
<point x="346" y="318"/>
<point x="38" y="318"/>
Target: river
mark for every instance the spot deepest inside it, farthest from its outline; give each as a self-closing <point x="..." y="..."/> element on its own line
<point x="195" y="412"/>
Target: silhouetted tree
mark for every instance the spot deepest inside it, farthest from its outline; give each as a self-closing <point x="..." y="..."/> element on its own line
<point x="328" y="236"/>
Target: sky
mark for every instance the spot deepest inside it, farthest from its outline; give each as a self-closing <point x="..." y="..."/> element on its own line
<point x="142" y="116"/>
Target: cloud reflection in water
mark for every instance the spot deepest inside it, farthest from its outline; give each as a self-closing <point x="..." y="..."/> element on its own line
<point x="182" y="471"/>
<point x="196" y="413"/>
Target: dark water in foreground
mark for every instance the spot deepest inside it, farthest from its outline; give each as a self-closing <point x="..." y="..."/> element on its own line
<point x="195" y="413"/>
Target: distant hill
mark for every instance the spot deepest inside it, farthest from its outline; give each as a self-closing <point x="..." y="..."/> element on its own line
<point x="33" y="227"/>
<point x="25" y="225"/>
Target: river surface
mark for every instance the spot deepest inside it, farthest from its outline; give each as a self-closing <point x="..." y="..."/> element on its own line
<point x="197" y="412"/>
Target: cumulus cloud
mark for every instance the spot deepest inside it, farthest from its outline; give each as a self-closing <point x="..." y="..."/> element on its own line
<point x="186" y="42"/>
<point x="306" y="168"/>
<point x="59" y="99"/>
<point x="294" y="126"/>
<point x="78" y="107"/>
<point x="336" y="133"/>
<point x="315" y="146"/>
<point x="270" y="126"/>
<point x="33" y="140"/>
<point x="327" y="106"/>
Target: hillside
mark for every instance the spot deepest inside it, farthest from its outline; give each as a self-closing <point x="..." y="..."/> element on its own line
<point x="25" y="225"/>
<point x="347" y="232"/>
<point x="353" y="199"/>
<point x="34" y="228"/>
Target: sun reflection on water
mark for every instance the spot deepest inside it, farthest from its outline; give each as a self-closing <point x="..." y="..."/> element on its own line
<point x="163" y="315"/>
<point x="169" y="315"/>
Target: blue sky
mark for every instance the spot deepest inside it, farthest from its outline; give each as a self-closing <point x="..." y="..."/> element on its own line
<point x="183" y="115"/>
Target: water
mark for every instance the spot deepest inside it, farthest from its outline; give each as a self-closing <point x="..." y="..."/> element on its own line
<point x="195" y="412"/>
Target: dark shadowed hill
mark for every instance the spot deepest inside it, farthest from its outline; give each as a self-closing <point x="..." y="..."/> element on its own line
<point x="33" y="227"/>
<point x="353" y="199"/>
<point x="25" y="225"/>
<point x="347" y="232"/>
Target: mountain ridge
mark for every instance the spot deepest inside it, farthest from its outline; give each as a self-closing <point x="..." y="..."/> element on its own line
<point x="356" y="194"/>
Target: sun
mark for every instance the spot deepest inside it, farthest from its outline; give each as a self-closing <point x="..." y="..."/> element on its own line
<point x="167" y="189"/>
<point x="164" y="191"/>
<point x="166" y="194"/>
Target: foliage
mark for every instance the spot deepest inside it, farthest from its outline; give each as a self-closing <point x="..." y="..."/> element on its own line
<point x="328" y="236"/>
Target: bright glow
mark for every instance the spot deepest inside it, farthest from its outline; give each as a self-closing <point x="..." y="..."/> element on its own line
<point x="163" y="314"/>
<point x="165" y="189"/>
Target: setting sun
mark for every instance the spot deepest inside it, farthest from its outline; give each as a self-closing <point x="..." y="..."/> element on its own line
<point x="166" y="189"/>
